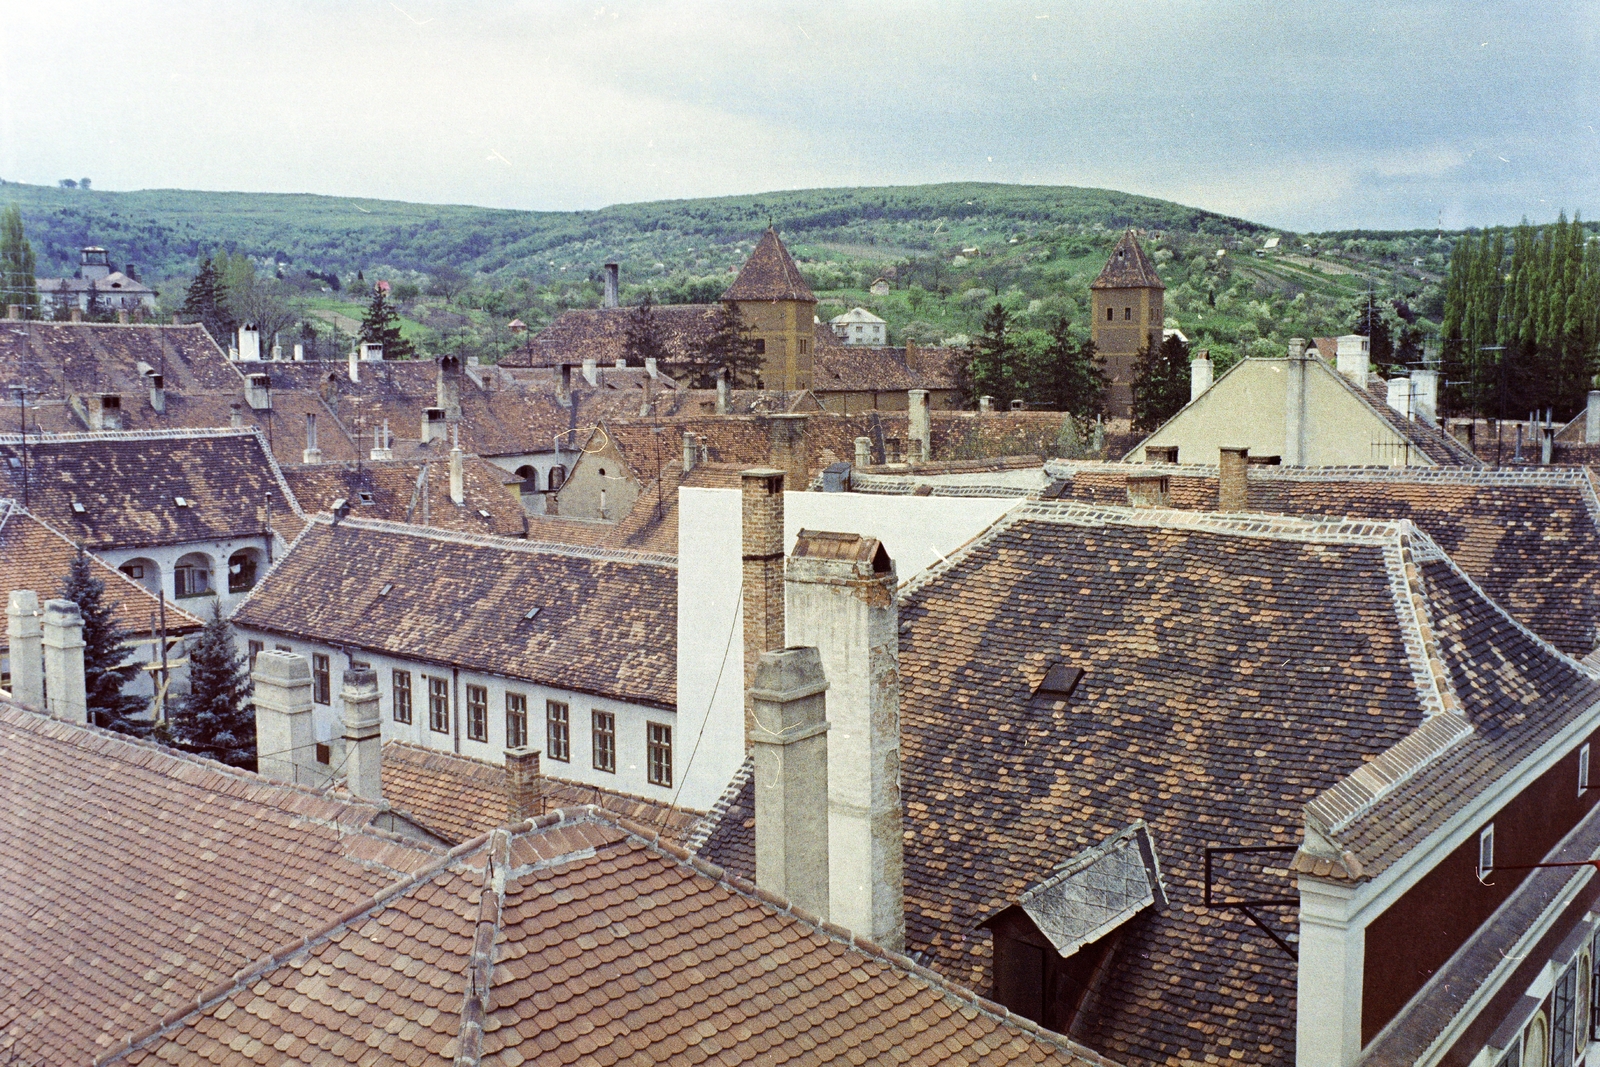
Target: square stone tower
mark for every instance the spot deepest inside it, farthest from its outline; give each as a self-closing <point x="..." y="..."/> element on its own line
<point x="774" y="301"/>
<point x="1126" y="314"/>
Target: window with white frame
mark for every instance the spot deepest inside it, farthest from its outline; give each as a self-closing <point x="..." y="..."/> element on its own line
<point x="438" y="705"/>
<point x="1583" y="770"/>
<point x="1486" y="850"/>
<point x="1563" y="1017"/>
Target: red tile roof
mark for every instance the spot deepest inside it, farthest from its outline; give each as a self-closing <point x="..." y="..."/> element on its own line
<point x="770" y="274"/>
<point x="1128" y="267"/>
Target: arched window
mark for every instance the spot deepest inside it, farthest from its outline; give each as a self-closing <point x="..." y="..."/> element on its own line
<point x="143" y="571"/>
<point x="192" y="575"/>
<point x="243" y="567"/>
<point x="558" y="476"/>
<point x="530" y="478"/>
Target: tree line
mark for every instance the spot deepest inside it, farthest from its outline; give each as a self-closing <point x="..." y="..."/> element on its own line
<point x="1522" y="320"/>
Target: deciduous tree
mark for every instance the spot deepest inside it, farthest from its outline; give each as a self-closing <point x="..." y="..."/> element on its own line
<point x="17" y="284"/>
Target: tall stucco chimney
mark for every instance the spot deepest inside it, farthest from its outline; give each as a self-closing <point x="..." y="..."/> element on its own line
<point x="863" y="452"/>
<point x="458" y="475"/>
<point x="591" y="370"/>
<point x="1353" y="357"/>
<point x="790" y="749"/>
<point x="1233" y="472"/>
<point x="249" y="343"/>
<point x="1296" y="413"/>
<point x="25" y="641"/>
<point x="1591" y="419"/>
<point x="691" y="450"/>
<point x="66" y="695"/>
<point x="841" y="596"/>
<point x="299" y="352"/>
<point x="724" y="393"/>
<point x="1425" y="394"/>
<point x="919" y="424"/>
<point x="312" y="453"/>
<point x="363" y="741"/>
<point x="434" y="428"/>
<point x="1201" y="373"/>
<point x="286" y="741"/>
<point x="787" y="450"/>
<point x="448" y="387"/>
<point x="258" y="392"/>
<point x="354" y="366"/>
<point x="761" y="508"/>
<point x="158" y="393"/>
<point x="1400" y="395"/>
<point x="613" y="283"/>
<point x="524" y="790"/>
<point x="14" y="312"/>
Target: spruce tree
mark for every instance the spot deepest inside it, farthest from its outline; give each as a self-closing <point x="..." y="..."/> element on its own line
<point x="1076" y="382"/>
<point x="992" y="370"/>
<point x="381" y="326"/>
<point x="642" y="339"/>
<point x="1160" y="383"/>
<point x="204" y="303"/>
<point x="216" y="718"/>
<point x="727" y="347"/>
<point x="105" y="652"/>
<point x="17" y="283"/>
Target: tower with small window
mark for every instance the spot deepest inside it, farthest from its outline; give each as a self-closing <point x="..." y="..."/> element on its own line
<point x="777" y="305"/>
<point x="1127" y="312"/>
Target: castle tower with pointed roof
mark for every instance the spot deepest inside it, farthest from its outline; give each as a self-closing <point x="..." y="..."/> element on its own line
<point x="1127" y="314"/>
<point x="774" y="301"/>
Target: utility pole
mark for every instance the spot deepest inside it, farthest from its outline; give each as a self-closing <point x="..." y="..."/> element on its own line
<point x="22" y="392"/>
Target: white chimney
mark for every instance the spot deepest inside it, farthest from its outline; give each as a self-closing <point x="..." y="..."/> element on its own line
<point x="277" y="350"/>
<point x="690" y="448"/>
<point x="789" y="746"/>
<point x="382" y="443"/>
<point x="985" y="405"/>
<point x="258" y="392"/>
<point x="650" y="367"/>
<point x="249" y="343"/>
<point x="363" y="741"/>
<point x="371" y="352"/>
<point x="724" y="397"/>
<point x="286" y="740"/>
<point x="1400" y="395"/>
<point x="1201" y="373"/>
<point x="591" y="371"/>
<point x="434" y="428"/>
<point x="299" y="352"/>
<point x="1425" y="394"/>
<point x="355" y="366"/>
<point x="863" y="451"/>
<point x="919" y="423"/>
<point x="312" y="453"/>
<point x="458" y="476"/>
<point x="1353" y="358"/>
<point x="841" y="596"/>
<point x="25" y="640"/>
<point x="235" y="416"/>
<point x="622" y="363"/>
<point x="1591" y="419"/>
<point x="66" y="693"/>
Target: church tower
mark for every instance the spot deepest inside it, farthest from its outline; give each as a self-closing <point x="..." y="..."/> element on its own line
<point x="780" y="309"/>
<point x="1127" y="315"/>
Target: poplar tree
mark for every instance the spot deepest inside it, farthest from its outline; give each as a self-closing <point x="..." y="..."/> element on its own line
<point x="216" y="718"/>
<point x="105" y="652"/>
<point x="17" y="283"/>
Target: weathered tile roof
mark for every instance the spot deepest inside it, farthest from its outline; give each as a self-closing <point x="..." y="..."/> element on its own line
<point x="606" y="621"/>
<point x="490" y="505"/>
<point x="601" y="334"/>
<point x="34" y="555"/>
<point x="133" y="878"/>
<point x="1235" y="668"/>
<point x="838" y="367"/>
<point x="460" y="798"/>
<point x="1431" y="441"/>
<point x="60" y="360"/>
<point x="128" y="485"/>
<point x="581" y="939"/>
<point x="1128" y="267"/>
<point x="1530" y="538"/>
<point x="770" y="274"/>
<point x="652" y="524"/>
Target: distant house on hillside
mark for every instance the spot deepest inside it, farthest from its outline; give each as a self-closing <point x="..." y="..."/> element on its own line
<point x="858" y="326"/>
<point x="95" y="287"/>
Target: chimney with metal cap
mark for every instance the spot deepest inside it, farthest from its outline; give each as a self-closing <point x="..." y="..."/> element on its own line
<point x="66" y="690"/>
<point x="25" y="642"/>
<point x="363" y="740"/>
<point x="761" y="538"/>
<point x="1233" y="472"/>
<point x="613" y="284"/>
<point x="790" y="751"/>
<point x="286" y="740"/>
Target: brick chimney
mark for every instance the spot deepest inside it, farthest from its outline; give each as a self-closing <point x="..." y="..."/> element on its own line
<point x="524" y="790"/>
<point x="863" y="452"/>
<point x="286" y="740"/>
<point x="66" y="694"/>
<point x="787" y="450"/>
<point x="363" y="741"/>
<point x="842" y="596"/>
<point x="761" y="490"/>
<point x="448" y="387"/>
<point x="158" y="393"/>
<point x="24" y="638"/>
<point x="249" y="343"/>
<point x="1200" y="373"/>
<point x="613" y="284"/>
<point x="1161" y="453"/>
<point x="1233" y="467"/>
<point x="258" y="392"/>
<point x="724" y="394"/>
<point x="919" y="425"/>
<point x="790" y="749"/>
<point x="312" y="453"/>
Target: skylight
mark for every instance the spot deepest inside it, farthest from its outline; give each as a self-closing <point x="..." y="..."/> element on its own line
<point x="182" y="502"/>
<point x="530" y="613"/>
<point x="1059" y="683"/>
<point x="386" y="587"/>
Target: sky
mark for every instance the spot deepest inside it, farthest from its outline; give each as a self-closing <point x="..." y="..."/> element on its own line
<point x="1305" y="116"/>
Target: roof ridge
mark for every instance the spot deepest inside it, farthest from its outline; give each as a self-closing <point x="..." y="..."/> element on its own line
<point x="480" y="964"/>
<point x="1365" y="472"/>
<point x="1336" y="530"/>
<point x="719" y="810"/>
<point x="464" y="537"/>
<point x="134" y="435"/>
<point x="832" y="931"/>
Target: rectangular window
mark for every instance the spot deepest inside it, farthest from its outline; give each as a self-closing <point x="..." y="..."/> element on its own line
<point x="1111" y="314"/>
<point x="402" y="696"/>
<point x="438" y="705"/>
<point x="324" y="754"/>
<point x="321" y="684"/>
<point x="1562" y="1018"/>
<point x="477" y="713"/>
<point x="558" y="745"/>
<point x="605" y="741"/>
<point x="761" y="346"/>
<point x="258" y="647"/>
<point x="282" y="648"/>
<point x="1486" y="850"/>
<point x="516" y="720"/>
<point x="659" y="756"/>
<point x="1594" y="988"/>
<point x="191" y="580"/>
<point x="1583" y="770"/>
<point x="1127" y="314"/>
<point x="1511" y="1057"/>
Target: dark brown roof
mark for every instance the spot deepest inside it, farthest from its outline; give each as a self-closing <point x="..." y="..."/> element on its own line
<point x="459" y="798"/>
<point x="1128" y="267"/>
<point x="592" y="943"/>
<point x="128" y="485"/>
<point x="606" y="625"/>
<point x="1529" y="538"/>
<point x="652" y="523"/>
<point x="839" y="367"/>
<point x="770" y="274"/>
<point x="601" y="334"/>
<point x="134" y="878"/>
<point x="1234" y="668"/>
<point x="35" y="556"/>
<point x="395" y="490"/>
<point x="60" y="360"/>
<point x="1431" y="441"/>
